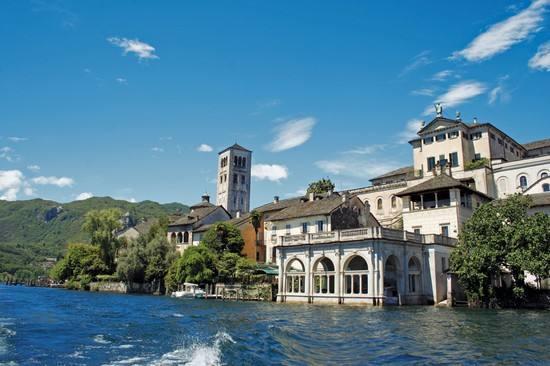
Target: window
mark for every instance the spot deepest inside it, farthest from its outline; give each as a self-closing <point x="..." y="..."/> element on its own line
<point x="304" y="227"/>
<point x="444" y="230"/>
<point x="356" y="276"/>
<point x="416" y="230"/>
<point x="505" y="145"/>
<point x="543" y="175"/>
<point x="244" y="162"/>
<point x="443" y="263"/>
<point x="477" y="156"/>
<point x="500" y="141"/>
<point x="414" y="275"/>
<point x="431" y="163"/>
<point x="523" y="181"/>
<point x="235" y="178"/>
<point x="453" y="134"/>
<point x="475" y="136"/>
<point x="453" y="158"/>
<point x="492" y="136"/>
<point x="287" y="228"/>
<point x="442" y="161"/>
<point x="186" y="237"/>
<point x="440" y="137"/>
<point x="511" y="149"/>
<point x="320" y="224"/>
<point x="235" y="161"/>
<point x="221" y="178"/>
<point x="323" y="278"/>
<point x="428" y="140"/>
<point x="379" y="204"/>
<point x="393" y="202"/>
<point x="243" y="179"/>
<point x="546" y="187"/>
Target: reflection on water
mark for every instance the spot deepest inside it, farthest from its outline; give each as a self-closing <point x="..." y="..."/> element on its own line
<point x="49" y="326"/>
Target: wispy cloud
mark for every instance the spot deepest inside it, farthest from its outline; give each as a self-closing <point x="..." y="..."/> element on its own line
<point x="443" y="75"/>
<point x="358" y="168"/>
<point x="204" y="148"/>
<point x="141" y="49"/>
<point x="503" y="35"/>
<point x="424" y="92"/>
<point x="17" y="139"/>
<point x="8" y="154"/>
<point x="499" y="92"/>
<point x="297" y="193"/>
<point x="33" y="168"/>
<point x="366" y="150"/>
<point x="541" y="59"/>
<point x="292" y="133"/>
<point x="11" y="182"/>
<point x="417" y="61"/>
<point x="458" y="94"/>
<point x="157" y="149"/>
<point x="84" y="196"/>
<point x="411" y="130"/>
<point x="54" y="181"/>
<point x="121" y="80"/>
<point x="271" y="172"/>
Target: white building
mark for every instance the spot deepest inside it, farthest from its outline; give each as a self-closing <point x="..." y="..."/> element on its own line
<point x="233" y="181"/>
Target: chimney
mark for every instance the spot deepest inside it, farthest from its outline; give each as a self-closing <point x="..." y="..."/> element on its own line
<point x="276" y="199"/>
<point x="311" y="196"/>
<point x="330" y="192"/>
<point x="344" y="197"/>
<point x="238" y="214"/>
<point x="205" y="198"/>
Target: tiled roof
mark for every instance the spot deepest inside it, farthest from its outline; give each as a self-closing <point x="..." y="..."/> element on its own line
<point x="195" y="215"/>
<point x="235" y="147"/>
<point x="280" y="205"/>
<point x="234" y="221"/>
<point x="537" y="144"/>
<point x="144" y="226"/>
<point x="322" y="206"/>
<point x="442" y="181"/>
<point x="400" y="171"/>
<point x="540" y="199"/>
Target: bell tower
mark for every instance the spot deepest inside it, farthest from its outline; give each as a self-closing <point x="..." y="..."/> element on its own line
<point x="233" y="181"/>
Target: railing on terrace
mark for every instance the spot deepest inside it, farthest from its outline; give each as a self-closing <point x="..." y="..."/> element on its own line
<point x="362" y="234"/>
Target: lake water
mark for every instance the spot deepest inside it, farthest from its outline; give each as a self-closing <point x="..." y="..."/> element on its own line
<point x="59" y="327"/>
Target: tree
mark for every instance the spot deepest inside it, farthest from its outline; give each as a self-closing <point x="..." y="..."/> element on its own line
<point x="500" y="235"/>
<point x="244" y="270"/>
<point x="227" y="267"/>
<point x="196" y="265"/>
<point x="223" y="237"/>
<point x="102" y="226"/>
<point x="160" y="228"/>
<point x="256" y="220"/>
<point x="80" y="260"/>
<point x="159" y="255"/>
<point x="131" y="262"/>
<point x="323" y="185"/>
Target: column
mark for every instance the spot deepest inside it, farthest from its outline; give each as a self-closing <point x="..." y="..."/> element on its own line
<point x="337" y="275"/>
<point x="282" y="276"/>
<point x="381" y="268"/>
<point x="308" y="280"/>
<point x="421" y="201"/>
<point x="372" y="273"/>
<point x="436" y="203"/>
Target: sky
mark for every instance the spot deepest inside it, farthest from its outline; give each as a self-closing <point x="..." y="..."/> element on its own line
<point x="133" y="99"/>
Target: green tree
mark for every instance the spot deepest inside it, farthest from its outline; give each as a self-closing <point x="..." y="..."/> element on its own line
<point x="80" y="260"/>
<point x="102" y="226"/>
<point x="227" y="267"/>
<point x="223" y="237"/>
<point x="196" y="265"/>
<point x="160" y="228"/>
<point x="244" y="270"/>
<point x="323" y="185"/>
<point x="159" y="254"/>
<point x="500" y="235"/>
<point x="131" y="262"/>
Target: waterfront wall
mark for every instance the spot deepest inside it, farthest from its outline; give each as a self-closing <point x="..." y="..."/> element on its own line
<point x="122" y="288"/>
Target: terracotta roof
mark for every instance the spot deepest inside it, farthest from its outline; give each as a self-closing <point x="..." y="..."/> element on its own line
<point x="282" y="204"/>
<point x="235" y="147"/>
<point x="321" y="206"/>
<point x="442" y="181"/>
<point x="537" y="144"/>
<point x="540" y="199"/>
<point x="400" y="171"/>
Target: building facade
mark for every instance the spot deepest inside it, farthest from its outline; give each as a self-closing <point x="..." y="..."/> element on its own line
<point x="233" y="180"/>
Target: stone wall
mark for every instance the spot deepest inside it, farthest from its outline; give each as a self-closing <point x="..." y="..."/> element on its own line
<point x="122" y="288"/>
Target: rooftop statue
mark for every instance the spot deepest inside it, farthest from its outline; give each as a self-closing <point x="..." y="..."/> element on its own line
<point x="438" y="109"/>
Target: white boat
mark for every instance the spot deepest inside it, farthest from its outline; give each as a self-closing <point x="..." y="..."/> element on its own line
<point x="190" y="291"/>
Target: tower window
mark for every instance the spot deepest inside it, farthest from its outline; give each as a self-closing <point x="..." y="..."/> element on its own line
<point x="244" y="162"/>
<point x="523" y="181"/>
<point x="243" y="179"/>
<point x="235" y="161"/>
<point x="235" y="178"/>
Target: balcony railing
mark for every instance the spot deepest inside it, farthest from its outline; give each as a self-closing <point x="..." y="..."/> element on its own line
<point x="362" y="234"/>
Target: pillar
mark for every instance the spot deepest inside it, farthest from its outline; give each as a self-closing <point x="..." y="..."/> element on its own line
<point x="337" y="275"/>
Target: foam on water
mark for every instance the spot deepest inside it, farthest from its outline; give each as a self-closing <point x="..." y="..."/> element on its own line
<point x="100" y="338"/>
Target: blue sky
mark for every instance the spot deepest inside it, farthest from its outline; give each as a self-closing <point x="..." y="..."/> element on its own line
<point x="127" y="98"/>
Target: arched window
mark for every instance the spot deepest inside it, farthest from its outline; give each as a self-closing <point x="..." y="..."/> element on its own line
<point x="186" y="237"/>
<point x="244" y="162"/>
<point x="391" y="273"/>
<point x="356" y="276"/>
<point x="179" y="239"/>
<point x="323" y="276"/>
<point x="414" y="275"/>
<point x="393" y="202"/>
<point x="523" y="181"/>
<point x="543" y="174"/>
<point x="240" y="161"/>
<point x="546" y="187"/>
<point x="295" y="277"/>
<point x="379" y="204"/>
<point x="173" y="238"/>
<point x="235" y="161"/>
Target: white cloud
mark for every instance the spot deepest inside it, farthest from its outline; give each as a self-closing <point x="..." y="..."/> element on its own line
<point x="17" y="139"/>
<point x="84" y="196"/>
<point x="11" y="182"/>
<point x="54" y="181"/>
<point x="442" y="75"/>
<point x="141" y="49"/>
<point x="358" y="168"/>
<point x="157" y="149"/>
<point x="204" y="148"/>
<point x="541" y="59"/>
<point x="411" y="130"/>
<point x="292" y="133"/>
<point x="366" y="150"/>
<point x="121" y="81"/>
<point x="417" y="61"/>
<point x="272" y="172"/>
<point x="33" y="168"/>
<point x="494" y="93"/>
<point x="6" y="153"/>
<point x="458" y="94"/>
<point x="28" y="190"/>
<point x="503" y="35"/>
<point x="424" y="92"/>
<point x="297" y="193"/>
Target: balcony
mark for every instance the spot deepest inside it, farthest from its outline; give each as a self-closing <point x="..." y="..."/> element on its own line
<point x="362" y="234"/>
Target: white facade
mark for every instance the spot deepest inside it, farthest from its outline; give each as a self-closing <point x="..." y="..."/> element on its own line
<point x="518" y="176"/>
<point x="233" y="180"/>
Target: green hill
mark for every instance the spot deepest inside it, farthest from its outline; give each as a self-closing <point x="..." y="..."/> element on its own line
<point x="33" y="230"/>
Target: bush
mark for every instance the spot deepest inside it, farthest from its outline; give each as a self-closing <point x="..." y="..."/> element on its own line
<point x="476" y="164"/>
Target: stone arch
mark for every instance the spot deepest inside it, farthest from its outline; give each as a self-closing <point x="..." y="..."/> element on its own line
<point x="295" y="276"/>
<point x="323" y="264"/>
<point x="379" y="204"/>
<point x="179" y="239"/>
<point x="186" y="237"/>
<point x="502" y="186"/>
<point x="323" y="276"/>
<point x="392" y="276"/>
<point x="414" y="269"/>
<point x="173" y="238"/>
<point x="393" y="201"/>
<point x="295" y="265"/>
<point x="543" y="173"/>
<point x="356" y="275"/>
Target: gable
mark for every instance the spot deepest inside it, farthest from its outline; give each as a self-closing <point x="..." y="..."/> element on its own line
<point x="438" y="124"/>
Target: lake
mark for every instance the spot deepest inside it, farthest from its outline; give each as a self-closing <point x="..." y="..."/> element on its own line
<point x="59" y="327"/>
